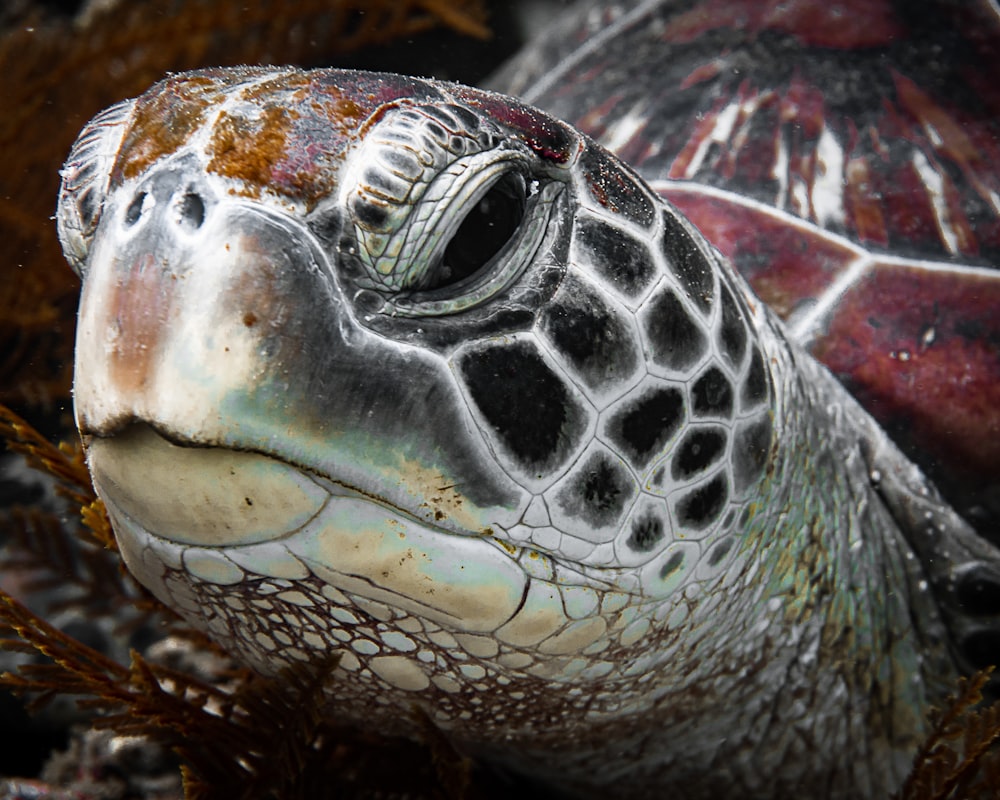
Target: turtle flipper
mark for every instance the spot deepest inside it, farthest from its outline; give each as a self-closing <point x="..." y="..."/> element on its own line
<point x="962" y="570"/>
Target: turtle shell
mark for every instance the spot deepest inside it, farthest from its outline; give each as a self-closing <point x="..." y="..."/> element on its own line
<point x="844" y="156"/>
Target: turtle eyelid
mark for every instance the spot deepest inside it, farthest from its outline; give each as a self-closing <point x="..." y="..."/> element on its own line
<point x="525" y="233"/>
<point x="488" y="225"/>
<point x="85" y="179"/>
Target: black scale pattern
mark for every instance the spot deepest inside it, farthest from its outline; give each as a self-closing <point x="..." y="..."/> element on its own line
<point x="642" y="429"/>
<point x="678" y="341"/>
<point x="720" y="551"/>
<point x="524" y="402"/>
<point x="612" y="187"/>
<point x="624" y="261"/>
<point x="751" y="446"/>
<point x="675" y="562"/>
<point x="647" y="532"/>
<point x="712" y="395"/>
<point x="732" y="331"/>
<point x="697" y="451"/>
<point x="585" y="329"/>
<point x="598" y="491"/>
<point x="755" y="386"/>
<point x="702" y="506"/>
<point x="687" y="262"/>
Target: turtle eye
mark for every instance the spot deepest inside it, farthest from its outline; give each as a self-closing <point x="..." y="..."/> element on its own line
<point x="447" y="212"/>
<point x="483" y="253"/>
<point x="491" y="223"/>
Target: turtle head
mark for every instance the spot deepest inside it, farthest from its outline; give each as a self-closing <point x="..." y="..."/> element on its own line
<point x="401" y="343"/>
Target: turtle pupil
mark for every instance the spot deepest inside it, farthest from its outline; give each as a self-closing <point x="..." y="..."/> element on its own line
<point x="483" y="232"/>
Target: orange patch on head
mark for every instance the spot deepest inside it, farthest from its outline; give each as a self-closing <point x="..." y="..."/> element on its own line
<point x="346" y="109"/>
<point x="295" y="83"/>
<point x="163" y="123"/>
<point x="247" y="150"/>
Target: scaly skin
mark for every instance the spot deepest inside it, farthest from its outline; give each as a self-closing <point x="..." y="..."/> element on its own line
<point x="583" y="502"/>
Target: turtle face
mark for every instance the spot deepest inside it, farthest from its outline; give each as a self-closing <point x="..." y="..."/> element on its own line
<point x="384" y="367"/>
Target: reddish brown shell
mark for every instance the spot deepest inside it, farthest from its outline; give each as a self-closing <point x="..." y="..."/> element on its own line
<point x="845" y="155"/>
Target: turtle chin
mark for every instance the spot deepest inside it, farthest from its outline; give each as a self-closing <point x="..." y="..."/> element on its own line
<point x="191" y="519"/>
<point x="205" y="496"/>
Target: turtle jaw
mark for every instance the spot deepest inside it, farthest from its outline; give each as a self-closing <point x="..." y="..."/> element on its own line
<point x="211" y="497"/>
<point x="226" y="517"/>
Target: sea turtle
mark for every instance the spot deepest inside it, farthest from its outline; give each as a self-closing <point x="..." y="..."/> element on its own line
<point x="416" y="375"/>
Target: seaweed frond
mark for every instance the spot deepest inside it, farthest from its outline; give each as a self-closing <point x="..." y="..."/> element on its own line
<point x="454" y="771"/>
<point x="251" y="736"/>
<point x="47" y="556"/>
<point x="959" y="759"/>
<point x="44" y="559"/>
<point x="64" y="462"/>
<point x="141" y="699"/>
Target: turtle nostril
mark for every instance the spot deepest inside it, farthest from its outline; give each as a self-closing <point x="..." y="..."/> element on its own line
<point x="134" y="210"/>
<point x="191" y="210"/>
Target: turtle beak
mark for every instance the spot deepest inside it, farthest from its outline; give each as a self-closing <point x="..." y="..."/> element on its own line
<point x="181" y="297"/>
<point x="173" y="330"/>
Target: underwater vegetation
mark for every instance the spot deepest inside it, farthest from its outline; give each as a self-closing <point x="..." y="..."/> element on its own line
<point x="232" y="732"/>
